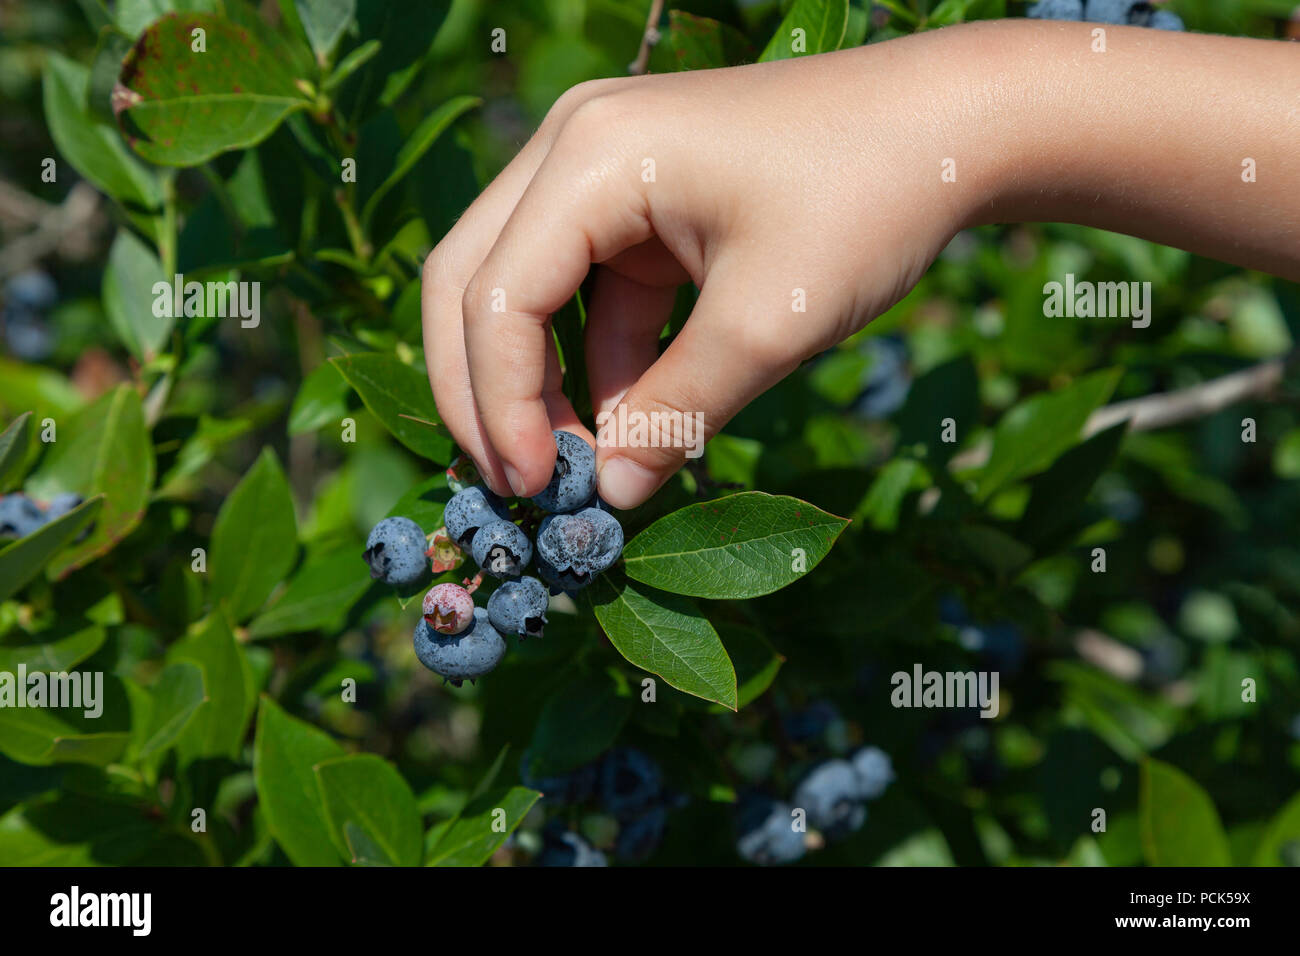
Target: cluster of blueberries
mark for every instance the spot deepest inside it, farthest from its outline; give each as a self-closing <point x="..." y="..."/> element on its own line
<point x="833" y="796"/>
<point x="1134" y="13"/>
<point x="28" y="296"/>
<point x="577" y="539"/>
<point x="628" y="785"/>
<point x="21" y="515"/>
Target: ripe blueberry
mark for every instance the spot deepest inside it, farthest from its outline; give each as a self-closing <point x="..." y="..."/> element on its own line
<point x="574" y="480"/>
<point x="1109" y="11"/>
<point x="829" y="794"/>
<point x="62" y="504"/>
<point x="32" y="289"/>
<point x="568" y="849"/>
<point x="1057" y="10"/>
<point x="448" y="608"/>
<point x="519" y="607"/>
<point x="19" y="516"/>
<point x="469" y="510"/>
<point x="501" y="549"/>
<point x="466" y="656"/>
<point x="1166" y="20"/>
<point x="767" y="834"/>
<point x="630" y="782"/>
<point x="395" y="552"/>
<point x="874" y="772"/>
<point x="582" y="545"/>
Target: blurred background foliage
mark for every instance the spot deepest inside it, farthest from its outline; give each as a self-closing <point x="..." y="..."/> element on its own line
<point x="977" y="556"/>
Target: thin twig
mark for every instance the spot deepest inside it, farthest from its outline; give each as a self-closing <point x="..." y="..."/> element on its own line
<point x="648" y="39"/>
<point x="1165" y="409"/>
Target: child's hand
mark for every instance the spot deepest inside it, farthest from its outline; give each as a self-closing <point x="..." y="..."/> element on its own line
<point x="817" y="181"/>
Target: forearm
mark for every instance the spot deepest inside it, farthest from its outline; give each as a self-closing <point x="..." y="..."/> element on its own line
<point x="1150" y="138"/>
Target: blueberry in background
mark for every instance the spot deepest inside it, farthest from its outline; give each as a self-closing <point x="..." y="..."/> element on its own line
<point x="466" y="656"/>
<point x="886" y="383"/>
<point x="1109" y="11"/>
<point x="577" y="786"/>
<point x="574" y="480"/>
<point x="639" y="837"/>
<point x="811" y="722"/>
<point x="829" y="794"/>
<point x="395" y="552"/>
<point x="31" y="289"/>
<point x="873" y="772"/>
<point x="19" y="516"/>
<point x="1056" y="10"/>
<point x="766" y="834"/>
<point x="568" y="849"/>
<point x="630" y="782"/>
<point x="519" y="607"/>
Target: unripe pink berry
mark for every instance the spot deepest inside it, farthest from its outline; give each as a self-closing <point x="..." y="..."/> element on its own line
<point x="448" y="608"/>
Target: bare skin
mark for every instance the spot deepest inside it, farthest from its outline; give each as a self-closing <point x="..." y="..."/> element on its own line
<point x="824" y="174"/>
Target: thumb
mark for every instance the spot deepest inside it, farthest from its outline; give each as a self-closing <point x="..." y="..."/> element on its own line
<point x="729" y="351"/>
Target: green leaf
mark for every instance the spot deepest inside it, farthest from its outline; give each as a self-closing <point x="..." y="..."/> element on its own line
<point x="950" y="390"/>
<point x="391" y="388"/>
<point x="430" y="128"/>
<point x="372" y="811"/>
<point x="884" y="500"/>
<point x="1030" y="436"/>
<point x="351" y="63"/>
<point x="321" y="400"/>
<point x="174" y="699"/>
<point x="1283" y="829"/>
<point x="48" y="735"/>
<point x="94" y="150"/>
<point x="698" y="43"/>
<point x="107" y="63"/>
<point x="23" y="559"/>
<point x="101" y="450"/>
<point x="285" y="751"/>
<point x="735" y="547"/>
<point x="1059" y="492"/>
<point x="820" y="25"/>
<point x="319" y="595"/>
<point x="578" y="723"/>
<point x="256" y="520"/>
<point x="180" y="107"/>
<point x="129" y="279"/>
<point x="424" y="503"/>
<point x="218" y="728"/>
<point x="755" y="660"/>
<point x="1180" y="826"/>
<point x="60" y="654"/>
<point x="666" y="635"/>
<point x="14" y="442"/>
<point x="480" y="829"/>
<point x="324" y="22"/>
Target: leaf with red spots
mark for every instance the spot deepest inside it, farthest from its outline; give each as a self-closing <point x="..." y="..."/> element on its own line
<point x="180" y="106"/>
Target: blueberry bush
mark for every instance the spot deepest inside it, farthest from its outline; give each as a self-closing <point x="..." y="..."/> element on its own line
<point x="321" y="642"/>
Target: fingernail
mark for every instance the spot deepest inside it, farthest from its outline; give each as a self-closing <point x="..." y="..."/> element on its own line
<point x="624" y="483"/>
<point x="516" y="483"/>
